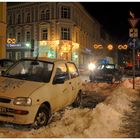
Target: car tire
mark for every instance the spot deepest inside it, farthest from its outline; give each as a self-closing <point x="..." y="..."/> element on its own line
<point x="42" y="117"/>
<point x="78" y="100"/>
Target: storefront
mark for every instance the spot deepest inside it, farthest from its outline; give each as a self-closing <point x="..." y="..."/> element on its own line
<point x="66" y="50"/>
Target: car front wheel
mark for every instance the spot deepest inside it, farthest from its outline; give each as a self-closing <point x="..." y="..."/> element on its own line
<point x="42" y="117"/>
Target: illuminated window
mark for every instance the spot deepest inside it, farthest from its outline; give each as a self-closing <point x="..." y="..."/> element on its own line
<point x="47" y="14"/>
<point x="28" y="36"/>
<point x="18" y="37"/>
<point x="65" y="12"/>
<point x="44" y="34"/>
<point x="28" y="18"/>
<point x="65" y="33"/>
<point x="42" y="17"/>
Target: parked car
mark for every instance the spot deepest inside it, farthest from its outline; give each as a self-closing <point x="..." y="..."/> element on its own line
<point x="5" y="63"/>
<point x="31" y="90"/>
<point x="105" y="73"/>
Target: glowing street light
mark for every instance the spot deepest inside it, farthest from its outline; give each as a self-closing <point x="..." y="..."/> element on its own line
<point x="27" y="45"/>
<point x="110" y="47"/>
<point x="122" y="47"/>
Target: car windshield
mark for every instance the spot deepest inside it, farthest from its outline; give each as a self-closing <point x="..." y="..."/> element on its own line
<point x="32" y="70"/>
<point x="100" y="67"/>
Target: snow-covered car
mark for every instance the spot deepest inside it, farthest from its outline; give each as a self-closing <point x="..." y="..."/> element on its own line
<point x="5" y="63"/>
<point x="106" y="73"/>
<point x="31" y="90"/>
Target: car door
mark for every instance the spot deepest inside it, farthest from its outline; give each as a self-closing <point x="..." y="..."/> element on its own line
<point x="62" y="89"/>
<point x="74" y="81"/>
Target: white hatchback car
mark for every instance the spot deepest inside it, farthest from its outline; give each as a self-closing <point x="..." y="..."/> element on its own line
<point x="31" y="90"/>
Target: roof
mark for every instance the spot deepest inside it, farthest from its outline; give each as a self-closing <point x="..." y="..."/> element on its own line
<point x="46" y="59"/>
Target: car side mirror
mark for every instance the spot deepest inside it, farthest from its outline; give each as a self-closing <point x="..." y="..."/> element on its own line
<point x="59" y="79"/>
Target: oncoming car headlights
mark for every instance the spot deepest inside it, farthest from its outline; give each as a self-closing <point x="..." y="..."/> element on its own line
<point x="91" y="66"/>
<point x="23" y="101"/>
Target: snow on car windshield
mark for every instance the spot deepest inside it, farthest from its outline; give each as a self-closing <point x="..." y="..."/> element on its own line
<point x="31" y="70"/>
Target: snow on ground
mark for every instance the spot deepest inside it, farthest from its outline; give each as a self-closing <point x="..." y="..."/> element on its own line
<point x="100" y="122"/>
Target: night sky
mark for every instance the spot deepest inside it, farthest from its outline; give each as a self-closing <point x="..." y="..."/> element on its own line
<point x="114" y="17"/>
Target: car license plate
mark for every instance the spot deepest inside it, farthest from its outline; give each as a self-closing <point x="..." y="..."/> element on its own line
<point x="3" y="110"/>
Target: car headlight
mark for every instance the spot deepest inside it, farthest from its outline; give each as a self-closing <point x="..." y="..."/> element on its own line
<point x="25" y="101"/>
<point x="91" y="66"/>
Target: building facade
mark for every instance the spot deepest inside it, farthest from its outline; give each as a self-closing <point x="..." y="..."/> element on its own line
<point x="2" y="29"/>
<point x="52" y="29"/>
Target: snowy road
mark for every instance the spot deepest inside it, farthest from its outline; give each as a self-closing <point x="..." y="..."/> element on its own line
<point x="100" y="115"/>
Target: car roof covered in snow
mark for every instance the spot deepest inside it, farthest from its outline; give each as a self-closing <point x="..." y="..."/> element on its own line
<point x="45" y="59"/>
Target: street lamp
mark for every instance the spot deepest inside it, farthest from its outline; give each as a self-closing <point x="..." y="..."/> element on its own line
<point x="110" y="47"/>
<point x="122" y="47"/>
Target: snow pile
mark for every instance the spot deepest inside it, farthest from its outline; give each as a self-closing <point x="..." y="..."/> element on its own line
<point x="103" y="121"/>
<point x="127" y="83"/>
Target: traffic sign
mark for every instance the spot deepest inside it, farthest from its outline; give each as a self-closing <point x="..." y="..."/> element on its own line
<point x="133" y="32"/>
<point x="133" y="21"/>
<point x="131" y="42"/>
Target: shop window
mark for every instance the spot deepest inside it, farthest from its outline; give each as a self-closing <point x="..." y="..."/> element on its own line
<point x="9" y="55"/>
<point x="18" y="55"/>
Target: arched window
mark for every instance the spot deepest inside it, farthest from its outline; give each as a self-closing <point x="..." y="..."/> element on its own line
<point x="28" y="18"/>
<point x="42" y="16"/>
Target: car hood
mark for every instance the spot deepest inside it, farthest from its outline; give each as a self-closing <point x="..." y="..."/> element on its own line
<point x="13" y="88"/>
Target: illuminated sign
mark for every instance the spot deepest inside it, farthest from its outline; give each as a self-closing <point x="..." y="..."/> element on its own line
<point x="13" y="45"/>
<point x="11" y="41"/>
<point x="110" y="47"/>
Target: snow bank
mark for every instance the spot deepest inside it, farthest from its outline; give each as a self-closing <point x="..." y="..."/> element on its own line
<point x="101" y="122"/>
